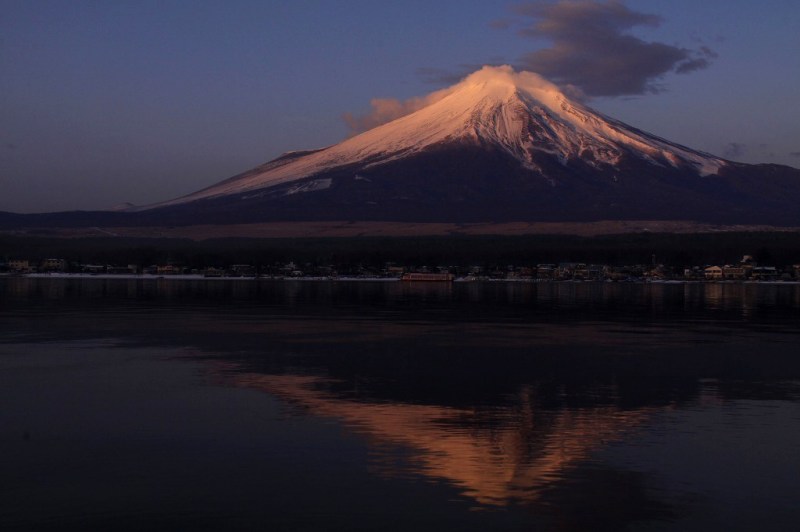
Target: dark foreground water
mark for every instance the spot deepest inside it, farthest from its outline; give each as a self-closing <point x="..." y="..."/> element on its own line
<point x="167" y="405"/>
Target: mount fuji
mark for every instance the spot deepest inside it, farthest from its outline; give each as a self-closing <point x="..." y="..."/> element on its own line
<point x="499" y="146"/>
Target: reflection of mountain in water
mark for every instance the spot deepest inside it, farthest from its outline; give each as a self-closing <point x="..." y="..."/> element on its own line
<point x="588" y="404"/>
<point x="496" y="455"/>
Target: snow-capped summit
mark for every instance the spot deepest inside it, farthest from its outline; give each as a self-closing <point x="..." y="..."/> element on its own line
<point x="520" y="112"/>
<point x="498" y="146"/>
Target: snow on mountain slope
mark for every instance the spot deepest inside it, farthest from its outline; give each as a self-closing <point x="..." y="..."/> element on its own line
<point x="519" y="112"/>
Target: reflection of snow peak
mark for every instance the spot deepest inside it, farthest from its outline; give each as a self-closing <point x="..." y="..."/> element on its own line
<point x="496" y="464"/>
<point x="519" y="112"/>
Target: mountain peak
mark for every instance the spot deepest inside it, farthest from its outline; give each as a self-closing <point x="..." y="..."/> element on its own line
<point x="504" y="80"/>
<point x="496" y="108"/>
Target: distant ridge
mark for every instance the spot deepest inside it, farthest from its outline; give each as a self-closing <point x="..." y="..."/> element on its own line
<point x="500" y="146"/>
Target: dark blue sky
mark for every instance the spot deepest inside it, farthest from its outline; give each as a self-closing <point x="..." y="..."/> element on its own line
<point x="105" y="102"/>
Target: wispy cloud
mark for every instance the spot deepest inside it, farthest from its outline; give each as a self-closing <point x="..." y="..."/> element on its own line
<point x="387" y="109"/>
<point x="384" y="110"/>
<point x="592" y="50"/>
<point x="591" y="54"/>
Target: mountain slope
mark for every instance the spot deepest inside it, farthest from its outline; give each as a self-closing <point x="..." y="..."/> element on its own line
<point x="500" y="146"/>
<point x="520" y="114"/>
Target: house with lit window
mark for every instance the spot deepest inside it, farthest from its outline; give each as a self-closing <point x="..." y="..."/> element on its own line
<point x="19" y="266"/>
<point x="713" y="272"/>
<point x="53" y="265"/>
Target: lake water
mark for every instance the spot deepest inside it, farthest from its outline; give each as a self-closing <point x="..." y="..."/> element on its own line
<point x="166" y="405"/>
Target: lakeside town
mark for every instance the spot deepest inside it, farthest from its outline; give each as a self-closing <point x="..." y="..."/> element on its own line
<point x="747" y="269"/>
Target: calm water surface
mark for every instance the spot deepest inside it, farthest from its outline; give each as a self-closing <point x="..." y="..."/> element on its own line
<point x="167" y="405"/>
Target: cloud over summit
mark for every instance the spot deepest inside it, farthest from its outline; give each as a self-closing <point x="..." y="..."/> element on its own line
<point x="592" y="50"/>
<point x="591" y="53"/>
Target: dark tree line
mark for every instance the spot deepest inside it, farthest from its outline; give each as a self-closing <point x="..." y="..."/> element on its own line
<point x="774" y="248"/>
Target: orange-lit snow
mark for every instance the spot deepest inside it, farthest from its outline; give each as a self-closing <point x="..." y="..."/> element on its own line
<point x="520" y="112"/>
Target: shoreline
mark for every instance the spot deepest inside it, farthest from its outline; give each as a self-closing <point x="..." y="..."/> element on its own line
<point x="460" y="280"/>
